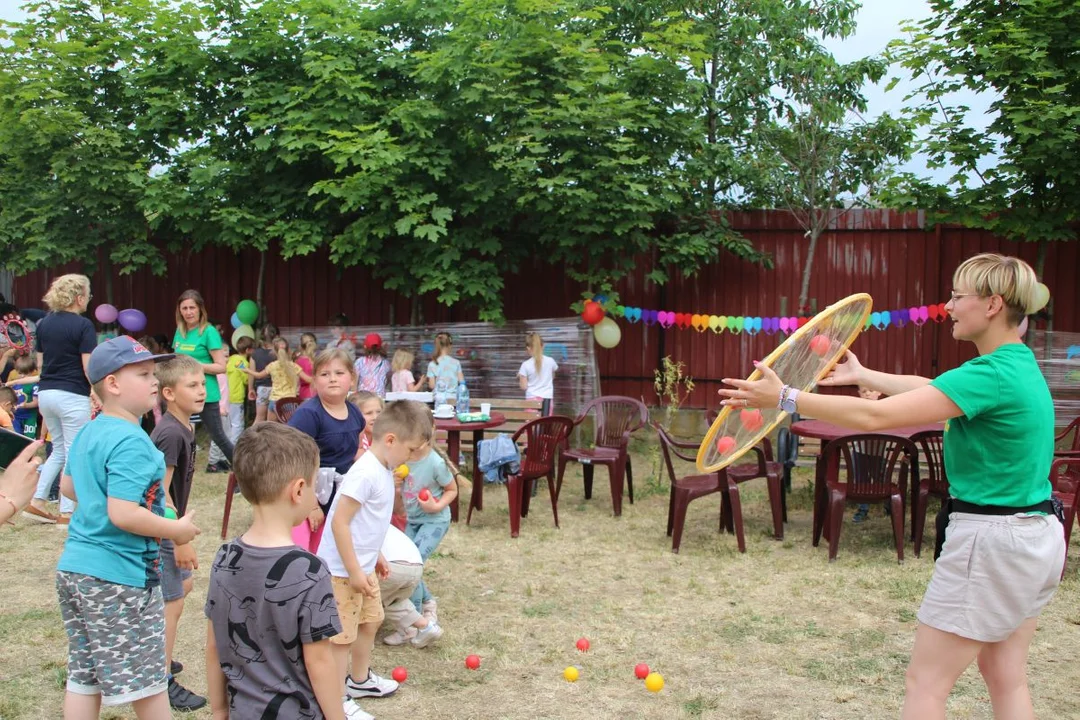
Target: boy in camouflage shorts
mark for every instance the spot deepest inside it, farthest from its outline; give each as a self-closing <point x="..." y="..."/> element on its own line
<point x="108" y="579"/>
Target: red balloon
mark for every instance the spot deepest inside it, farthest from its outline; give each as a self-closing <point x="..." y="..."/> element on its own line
<point x="641" y="671"/>
<point x="424" y="495"/>
<point x="752" y="420"/>
<point x="682" y="320"/>
<point x="943" y="314"/>
<point x="932" y="311"/>
<point x="400" y="674"/>
<point x="725" y="444"/>
<point x="593" y="313"/>
<point x="803" y="321"/>
<point x="473" y="662"/>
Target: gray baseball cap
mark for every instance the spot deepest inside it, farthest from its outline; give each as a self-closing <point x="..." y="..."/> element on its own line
<point x="111" y="355"/>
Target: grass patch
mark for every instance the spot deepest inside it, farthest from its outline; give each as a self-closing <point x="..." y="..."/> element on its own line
<point x="776" y="632"/>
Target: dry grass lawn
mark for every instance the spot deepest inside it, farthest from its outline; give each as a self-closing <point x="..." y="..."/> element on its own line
<point x="775" y="633"/>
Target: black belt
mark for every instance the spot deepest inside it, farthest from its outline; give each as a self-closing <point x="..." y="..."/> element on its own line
<point x="1052" y="506"/>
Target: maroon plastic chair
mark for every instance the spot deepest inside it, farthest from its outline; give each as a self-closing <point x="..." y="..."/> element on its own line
<point x="932" y="455"/>
<point x="616" y="417"/>
<point x="543" y="438"/>
<point x="764" y="467"/>
<point x="1065" y="479"/>
<point x="876" y="470"/>
<point x="286" y="406"/>
<point x="1073" y="450"/>
<point x="688" y="488"/>
<point x="228" y="504"/>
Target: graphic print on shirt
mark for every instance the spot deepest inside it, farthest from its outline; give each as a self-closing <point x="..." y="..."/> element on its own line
<point x="279" y="705"/>
<point x="292" y="576"/>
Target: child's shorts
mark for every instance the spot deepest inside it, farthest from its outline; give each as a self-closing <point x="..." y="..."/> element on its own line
<point x="172" y="577"/>
<point x="355" y="609"/>
<point x="116" y="638"/>
<point x="995" y="572"/>
<point x="262" y="395"/>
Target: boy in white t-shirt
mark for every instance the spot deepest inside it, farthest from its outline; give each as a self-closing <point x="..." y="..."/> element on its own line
<point x="358" y="522"/>
<point x="537" y="374"/>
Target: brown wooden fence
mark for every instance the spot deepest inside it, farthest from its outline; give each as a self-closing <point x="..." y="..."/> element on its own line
<point x="891" y="255"/>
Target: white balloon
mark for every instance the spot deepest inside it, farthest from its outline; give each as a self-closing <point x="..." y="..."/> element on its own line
<point x="607" y="333"/>
<point x="1042" y="296"/>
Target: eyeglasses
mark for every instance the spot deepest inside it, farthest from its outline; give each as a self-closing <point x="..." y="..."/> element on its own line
<point x="956" y="296"/>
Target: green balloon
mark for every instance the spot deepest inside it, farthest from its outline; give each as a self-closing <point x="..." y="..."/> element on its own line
<point x="620" y="311"/>
<point x="730" y="322"/>
<point x="739" y="322"/>
<point x="247" y="311"/>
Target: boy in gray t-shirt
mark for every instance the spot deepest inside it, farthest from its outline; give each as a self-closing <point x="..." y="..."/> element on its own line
<point x="270" y="604"/>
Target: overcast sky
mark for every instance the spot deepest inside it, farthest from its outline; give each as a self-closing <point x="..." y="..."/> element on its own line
<point x="879" y="23"/>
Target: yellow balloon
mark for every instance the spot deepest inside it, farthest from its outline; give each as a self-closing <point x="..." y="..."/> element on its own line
<point x="607" y="333"/>
<point x="571" y="674"/>
<point x="1042" y="296"/>
<point x="654" y="682"/>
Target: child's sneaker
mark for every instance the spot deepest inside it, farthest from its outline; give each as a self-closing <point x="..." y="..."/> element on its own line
<point x="373" y="686"/>
<point x="353" y="711"/>
<point x="430" y="610"/>
<point x="861" y="514"/>
<point x="182" y="699"/>
<point x="427" y="635"/>
<point x="400" y="637"/>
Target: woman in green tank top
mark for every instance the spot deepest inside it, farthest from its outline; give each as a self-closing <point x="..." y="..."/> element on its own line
<point x="985" y="597"/>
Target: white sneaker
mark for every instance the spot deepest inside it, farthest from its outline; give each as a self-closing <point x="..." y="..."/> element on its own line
<point x="430" y="610"/>
<point x="427" y="635"/>
<point x="373" y="686"/>
<point x="353" y="711"/>
<point x="400" y="637"/>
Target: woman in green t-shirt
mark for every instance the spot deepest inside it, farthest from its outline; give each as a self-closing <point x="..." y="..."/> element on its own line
<point x="195" y="336"/>
<point x="1004" y="547"/>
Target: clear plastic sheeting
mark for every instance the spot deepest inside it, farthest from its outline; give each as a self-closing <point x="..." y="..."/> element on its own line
<point x="490" y="355"/>
<point x="1058" y="355"/>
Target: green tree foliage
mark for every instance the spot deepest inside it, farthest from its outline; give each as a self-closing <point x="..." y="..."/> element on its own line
<point x="1020" y="176"/>
<point x="442" y="144"/>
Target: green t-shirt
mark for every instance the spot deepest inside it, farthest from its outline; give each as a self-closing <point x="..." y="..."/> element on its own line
<point x="198" y="344"/>
<point x="999" y="451"/>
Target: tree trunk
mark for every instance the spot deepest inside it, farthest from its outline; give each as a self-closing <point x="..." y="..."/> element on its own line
<point x="259" y="288"/>
<point x="804" y="291"/>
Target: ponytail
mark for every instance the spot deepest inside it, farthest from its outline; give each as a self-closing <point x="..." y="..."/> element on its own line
<point x="535" y="344"/>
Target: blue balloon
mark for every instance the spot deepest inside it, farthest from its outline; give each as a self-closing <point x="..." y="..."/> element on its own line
<point x="875" y="320"/>
<point x="757" y="324"/>
<point x="235" y="321"/>
<point x="886" y="318"/>
<point x="600" y="299"/>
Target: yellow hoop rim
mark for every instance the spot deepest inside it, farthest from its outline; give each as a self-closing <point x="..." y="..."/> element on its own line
<point x="808" y="328"/>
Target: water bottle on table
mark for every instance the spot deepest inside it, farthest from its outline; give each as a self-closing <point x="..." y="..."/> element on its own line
<point x="462" y="398"/>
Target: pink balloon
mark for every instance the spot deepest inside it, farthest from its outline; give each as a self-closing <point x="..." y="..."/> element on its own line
<point x="784" y="324"/>
<point x="793" y="323"/>
<point x="924" y="313"/>
<point x="913" y="314"/>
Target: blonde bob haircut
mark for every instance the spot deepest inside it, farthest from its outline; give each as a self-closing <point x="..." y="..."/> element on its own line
<point x="65" y="290"/>
<point x="1009" y="277"/>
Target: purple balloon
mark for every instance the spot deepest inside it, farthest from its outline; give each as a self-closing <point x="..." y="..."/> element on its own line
<point x="648" y="316"/>
<point x="105" y="313"/>
<point x="132" y="320"/>
<point x="900" y="317"/>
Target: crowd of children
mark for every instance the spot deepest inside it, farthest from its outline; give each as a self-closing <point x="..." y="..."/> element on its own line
<point x="293" y="609"/>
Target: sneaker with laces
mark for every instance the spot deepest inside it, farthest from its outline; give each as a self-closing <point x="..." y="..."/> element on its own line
<point x="373" y="686"/>
<point x="353" y="711"/>
<point x="182" y="699"/>
<point x="400" y="637"/>
<point x="427" y="635"/>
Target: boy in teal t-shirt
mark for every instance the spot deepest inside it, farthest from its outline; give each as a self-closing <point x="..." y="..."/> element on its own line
<point x="1004" y="458"/>
<point x="107" y="579"/>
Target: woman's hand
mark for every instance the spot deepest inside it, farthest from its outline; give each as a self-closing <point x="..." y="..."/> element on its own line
<point x="763" y="393"/>
<point x="849" y="372"/>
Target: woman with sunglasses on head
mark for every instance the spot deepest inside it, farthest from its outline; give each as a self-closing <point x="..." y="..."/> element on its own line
<point x="65" y="340"/>
<point x="1004" y="547"/>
